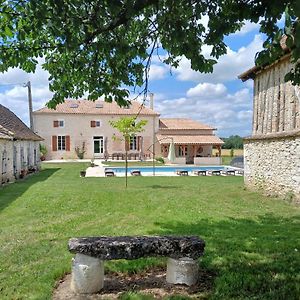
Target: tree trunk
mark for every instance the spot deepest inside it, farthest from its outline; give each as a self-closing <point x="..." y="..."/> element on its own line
<point x="126" y="167"/>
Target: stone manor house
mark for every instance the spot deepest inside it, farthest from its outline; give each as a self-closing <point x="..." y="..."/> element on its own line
<point x="272" y="152"/>
<point x="85" y="124"/>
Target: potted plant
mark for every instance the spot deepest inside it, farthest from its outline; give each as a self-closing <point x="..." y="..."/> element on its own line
<point x="23" y="171"/>
<point x="82" y="173"/>
<point x="43" y="152"/>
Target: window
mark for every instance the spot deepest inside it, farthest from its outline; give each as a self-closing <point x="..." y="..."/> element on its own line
<point x="133" y="143"/>
<point x="61" y="142"/>
<point x="59" y="123"/>
<point x="4" y="162"/>
<point x="95" y="123"/>
<point x="182" y="151"/>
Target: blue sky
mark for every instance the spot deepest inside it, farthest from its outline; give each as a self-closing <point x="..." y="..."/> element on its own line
<point x="218" y="99"/>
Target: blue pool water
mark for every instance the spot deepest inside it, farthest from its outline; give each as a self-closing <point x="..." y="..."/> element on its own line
<point x="166" y="169"/>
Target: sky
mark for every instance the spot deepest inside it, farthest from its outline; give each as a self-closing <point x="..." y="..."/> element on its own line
<point x="218" y="99"/>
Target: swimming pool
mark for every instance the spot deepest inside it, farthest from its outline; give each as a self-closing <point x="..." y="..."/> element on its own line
<point x="167" y="169"/>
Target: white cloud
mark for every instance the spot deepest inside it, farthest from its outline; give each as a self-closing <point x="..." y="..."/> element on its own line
<point x="246" y="28"/>
<point x="212" y="104"/>
<point x="14" y="95"/>
<point x="157" y="72"/>
<point x="228" y="67"/>
<point x="207" y="90"/>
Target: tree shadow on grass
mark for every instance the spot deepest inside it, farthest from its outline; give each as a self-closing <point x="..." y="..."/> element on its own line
<point x="11" y="192"/>
<point x="158" y="186"/>
<point x="253" y="259"/>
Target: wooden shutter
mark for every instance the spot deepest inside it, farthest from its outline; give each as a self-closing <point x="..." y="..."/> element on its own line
<point x="93" y="123"/>
<point x="68" y="143"/>
<point x="54" y="143"/>
<point x="127" y="144"/>
<point x="139" y="141"/>
<point x="55" y="124"/>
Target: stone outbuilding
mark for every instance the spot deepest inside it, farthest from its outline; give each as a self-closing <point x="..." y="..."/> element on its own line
<point x="272" y="152"/>
<point x="19" y="147"/>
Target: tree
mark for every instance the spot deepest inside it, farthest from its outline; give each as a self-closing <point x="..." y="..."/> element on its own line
<point x="105" y="47"/>
<point x="233" y="142"/>
<point x="128" y="127"/>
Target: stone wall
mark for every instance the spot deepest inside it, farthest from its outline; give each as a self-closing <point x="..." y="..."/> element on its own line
<point x="273" y="164"/>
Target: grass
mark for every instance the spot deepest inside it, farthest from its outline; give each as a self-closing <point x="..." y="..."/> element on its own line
<point x="252" y="241"/>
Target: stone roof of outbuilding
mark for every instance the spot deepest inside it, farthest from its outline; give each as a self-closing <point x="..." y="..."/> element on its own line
<point x="97" y="107"/>
<point x="5" y="134"/>
<point x="12" y="126"/>
<point x="183" y="124"/>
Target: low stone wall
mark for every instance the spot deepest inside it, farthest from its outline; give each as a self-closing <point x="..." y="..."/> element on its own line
<point x="272" y="163"/>
<point x="208" y="161"/>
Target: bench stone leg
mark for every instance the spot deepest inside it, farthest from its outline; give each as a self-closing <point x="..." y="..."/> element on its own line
<point x="87" y="274"/>
<point x="182" y="271"/>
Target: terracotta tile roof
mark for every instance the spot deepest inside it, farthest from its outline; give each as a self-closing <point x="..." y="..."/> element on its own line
<point x="190" y="139"/>
<point x="13" y="126"/>
<point x="97" y="107"/>
<point x="176" y="123"/>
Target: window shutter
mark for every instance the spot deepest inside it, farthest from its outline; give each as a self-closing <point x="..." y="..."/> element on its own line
<point x="93" y="123"/>
<point x="55" y="123"/>
<point x="127" y="141"/>
<point x="139" y="140"/>
<point x="67" y="143"/>
<point x="54" y="143"/>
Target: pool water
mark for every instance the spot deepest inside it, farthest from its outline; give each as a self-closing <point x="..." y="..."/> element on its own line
<point x="168" y="169"/>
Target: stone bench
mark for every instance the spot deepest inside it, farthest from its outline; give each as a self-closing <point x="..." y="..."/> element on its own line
<point x="91" y="252"/>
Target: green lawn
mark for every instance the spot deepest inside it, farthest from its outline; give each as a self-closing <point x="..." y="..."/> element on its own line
<point x="253" y="242"/>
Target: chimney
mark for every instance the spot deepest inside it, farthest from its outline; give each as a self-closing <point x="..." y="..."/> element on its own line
<point x="151" y="100"/>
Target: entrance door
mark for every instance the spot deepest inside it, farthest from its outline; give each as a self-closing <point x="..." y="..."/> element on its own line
<point x="98" y="145"/>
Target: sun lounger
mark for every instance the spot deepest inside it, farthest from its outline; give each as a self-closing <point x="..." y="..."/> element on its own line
<point x="200" y="172"/>
<point x="109" y="173"/>
<point x="240" y="172"/>
<point x="182" y="172"/>
<point x="215" y="172"/>
<point x="228" y="172"/>
<point x="135" y="173"/>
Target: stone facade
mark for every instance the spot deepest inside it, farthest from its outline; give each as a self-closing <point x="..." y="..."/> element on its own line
<point x="273" y="164"/>
<point x="272" y="153"/>
<point x="19" y="147"/>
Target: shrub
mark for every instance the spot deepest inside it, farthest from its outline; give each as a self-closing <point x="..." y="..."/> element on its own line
<point x="160" y="159"/>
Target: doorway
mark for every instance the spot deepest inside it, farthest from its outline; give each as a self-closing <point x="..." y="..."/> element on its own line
<point x="98" y="146"/>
